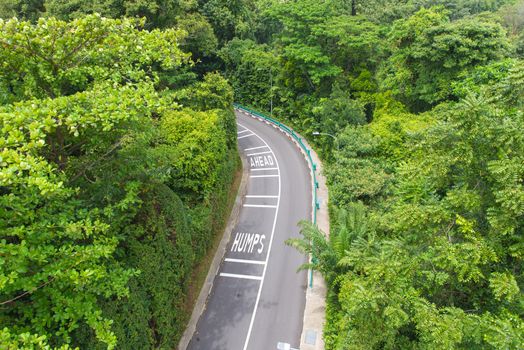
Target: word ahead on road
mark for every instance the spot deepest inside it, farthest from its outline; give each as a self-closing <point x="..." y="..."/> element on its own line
<point x="261" y="161"/>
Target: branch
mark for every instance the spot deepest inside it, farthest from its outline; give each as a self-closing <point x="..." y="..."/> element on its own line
<point x="85" y="43"/>
<point x="450" y="226"/>
<point x="41" y="285"/>
<point x="27" y="292"/>
<point x="113" y="148"/>
<point x="310" y="82"/>
<point x="37" y="54"/>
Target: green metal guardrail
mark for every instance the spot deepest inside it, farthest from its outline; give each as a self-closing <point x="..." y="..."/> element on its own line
<point x="310" y="159"/>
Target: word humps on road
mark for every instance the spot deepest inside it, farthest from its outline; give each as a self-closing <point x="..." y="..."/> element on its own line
<point x="248" y="242"/>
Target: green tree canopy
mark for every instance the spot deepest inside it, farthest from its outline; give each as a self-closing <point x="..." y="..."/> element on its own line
<point x="55" y="58"/>
<point x="428" y="52"/>
<point x="84" y="91"/>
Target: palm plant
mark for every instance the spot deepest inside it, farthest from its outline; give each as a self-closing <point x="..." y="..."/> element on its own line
<point x="328" y="253"/>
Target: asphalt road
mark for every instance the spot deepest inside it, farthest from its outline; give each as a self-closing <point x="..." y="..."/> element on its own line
<point x="258" y="298"/>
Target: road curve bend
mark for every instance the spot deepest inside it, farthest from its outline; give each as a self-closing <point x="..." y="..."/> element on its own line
<point x="258" y="298"/>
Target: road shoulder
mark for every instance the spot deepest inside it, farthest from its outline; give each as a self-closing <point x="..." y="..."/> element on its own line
<point x="200" y="304"/>
<point x="315" y="309"/>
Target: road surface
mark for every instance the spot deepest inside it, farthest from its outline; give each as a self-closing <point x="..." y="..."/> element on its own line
<point x="258" y="298"/>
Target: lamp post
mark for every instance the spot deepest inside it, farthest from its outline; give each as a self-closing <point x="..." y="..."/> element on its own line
<point x="318" y="133"/>
<point x="271" y="91"/>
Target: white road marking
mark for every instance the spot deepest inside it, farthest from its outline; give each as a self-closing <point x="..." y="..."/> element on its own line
<point x="259" y="206"/>
<point x="245" y="261"/>
<point x="247" y="277"/>
<point x="255" y="176"/>
<point x="245" y="242"/>
<point x="240" y="132"/>
<point x="252" y="148"/>
<point x="259" y="196"/>
<point x="250" y="329"/>
<point x="262" y="169"/>
<point x="241" y="137"/>
<point x="256" y="154"/>
<point x="284" y="346"/>
<point x="261" y="161"/>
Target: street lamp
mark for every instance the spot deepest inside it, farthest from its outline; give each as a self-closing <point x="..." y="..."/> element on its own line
<point x="271" y="91"/>
<point x="318" y="133"/>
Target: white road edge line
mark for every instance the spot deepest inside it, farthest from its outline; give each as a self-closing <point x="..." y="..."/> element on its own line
<point x="252" y="148"/>
<point x="245" y="261"/>
<point x="241" y="137"/>
<point x="259" y="206"/>
<point x="262" y="169"/>
<point x="240" y="132"/>
<point x="259" y="196"/>
<point x="255" y="176"/>
<point x="256" y="154"/>
<point x="246" y="277"/>
<point x="269" y="247"/>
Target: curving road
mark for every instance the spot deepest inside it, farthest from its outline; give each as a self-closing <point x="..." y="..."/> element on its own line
<point x="258" y="298"/>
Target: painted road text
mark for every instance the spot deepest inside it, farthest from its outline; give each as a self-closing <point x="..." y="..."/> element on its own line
<point x="248" y="242"/>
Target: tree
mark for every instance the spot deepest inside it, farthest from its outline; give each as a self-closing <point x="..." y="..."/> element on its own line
<point x="200" y="40"/>
<point x="71" y="9"/>
<point x="199" y="147"/>
<point x="442" y="269"/>
<point x="387" y="11"/>
<point x="255" y="75"/>
<point x="229" y="19"/>
<point x="305" y="59"/>
<point x="158" y="13"/>
<point x="82" y="99"/>
<point x="428" y="52"/>
<point x="78" y="54"/>
<point x="512" y="16"/>
<point x="30" y="10"/>
<point x="352" y="42"/>
<point x="339" y="111"/>
<point x="359" y="155"/>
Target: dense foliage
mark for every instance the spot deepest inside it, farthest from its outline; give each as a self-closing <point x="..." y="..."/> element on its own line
<point x="105" y="180"/>
<point x="118" y="152"/>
